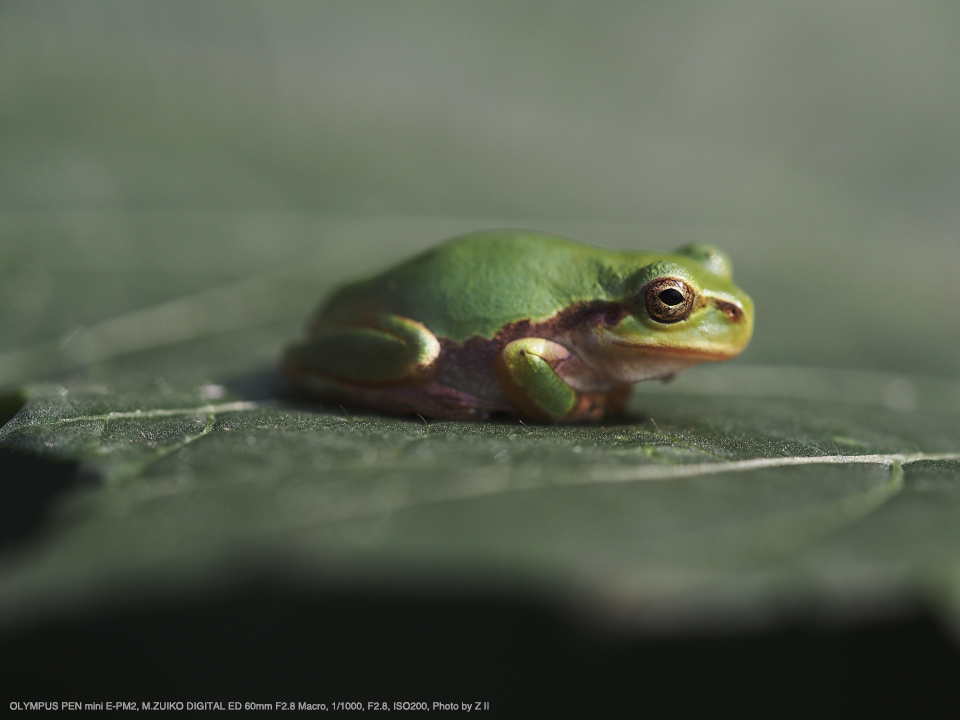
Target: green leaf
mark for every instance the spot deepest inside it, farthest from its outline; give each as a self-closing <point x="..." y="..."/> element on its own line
<point x="689" y="509"/>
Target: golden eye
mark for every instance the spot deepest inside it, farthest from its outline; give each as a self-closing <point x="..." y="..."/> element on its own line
<point x="669" y="300"/>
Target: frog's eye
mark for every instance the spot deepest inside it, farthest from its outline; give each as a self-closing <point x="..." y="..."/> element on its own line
<point x="669" y="300"/>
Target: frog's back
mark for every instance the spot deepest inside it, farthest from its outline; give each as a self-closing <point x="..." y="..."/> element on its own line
<point x="475" y="284"/>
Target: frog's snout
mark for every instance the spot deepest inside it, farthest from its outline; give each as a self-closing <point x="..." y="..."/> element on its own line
<point x="732" y="310"/>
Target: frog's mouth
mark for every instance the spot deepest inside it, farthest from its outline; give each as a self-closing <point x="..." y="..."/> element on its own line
<point x="691" y="354"/>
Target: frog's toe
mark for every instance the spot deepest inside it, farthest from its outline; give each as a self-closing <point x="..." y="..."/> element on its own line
<point x="525" y="371"/>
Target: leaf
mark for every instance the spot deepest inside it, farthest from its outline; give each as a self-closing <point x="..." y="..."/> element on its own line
<point x="692" y="509"/>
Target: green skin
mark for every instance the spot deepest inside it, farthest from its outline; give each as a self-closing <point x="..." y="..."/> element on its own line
<point x="520" y="322"/>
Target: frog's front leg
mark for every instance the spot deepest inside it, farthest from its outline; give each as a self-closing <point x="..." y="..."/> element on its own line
<point x="390" y="350"/>
<point x="527" y="372"/>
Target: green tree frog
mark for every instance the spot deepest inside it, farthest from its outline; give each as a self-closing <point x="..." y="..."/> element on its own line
<point x="520" y="322"/>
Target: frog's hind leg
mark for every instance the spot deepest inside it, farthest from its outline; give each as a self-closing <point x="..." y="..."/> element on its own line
<point x="391" y="350"/>
<point x="387" y="365"/>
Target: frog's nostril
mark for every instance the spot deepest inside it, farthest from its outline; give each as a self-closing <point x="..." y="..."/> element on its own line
<point x="731" y="310"/>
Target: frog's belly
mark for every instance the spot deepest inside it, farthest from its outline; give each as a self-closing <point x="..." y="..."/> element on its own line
<point x="469" y="368"/>
<point x="431" y="399"/>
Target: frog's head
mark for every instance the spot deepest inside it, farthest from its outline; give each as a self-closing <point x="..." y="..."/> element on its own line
<point x="683" y="309"/>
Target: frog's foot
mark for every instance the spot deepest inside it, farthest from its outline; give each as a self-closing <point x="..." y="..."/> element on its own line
<point x="389" y="351"/>
<point x="527" y="370"/>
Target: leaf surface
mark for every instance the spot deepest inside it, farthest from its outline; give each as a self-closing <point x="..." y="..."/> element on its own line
<point x="690" y="508"/>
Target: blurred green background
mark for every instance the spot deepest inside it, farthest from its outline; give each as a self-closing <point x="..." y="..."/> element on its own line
<point x="153" y="151"/>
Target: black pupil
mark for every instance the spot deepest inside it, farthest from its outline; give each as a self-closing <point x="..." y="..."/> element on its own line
<point x="671" y="296"/>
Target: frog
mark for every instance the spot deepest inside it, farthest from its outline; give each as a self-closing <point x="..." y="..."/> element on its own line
<point x="520" y="323"/>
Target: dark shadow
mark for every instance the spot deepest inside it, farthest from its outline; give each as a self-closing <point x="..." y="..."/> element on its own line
<point x="270" y="384"/>
<point x="266" y="384"/>
<point x="267" y="644"/>
<point x="10" y="405"/>
<point x="29" y="485"/>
